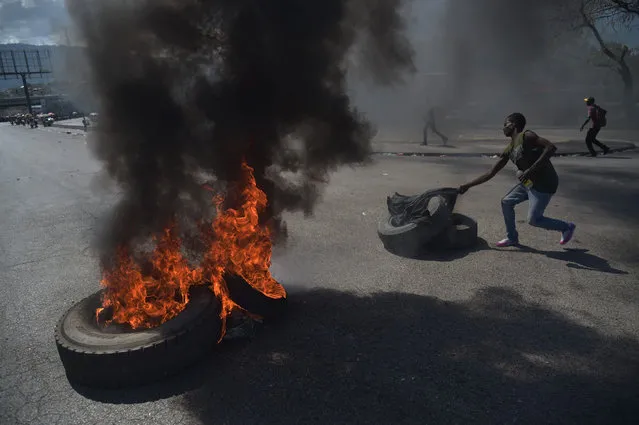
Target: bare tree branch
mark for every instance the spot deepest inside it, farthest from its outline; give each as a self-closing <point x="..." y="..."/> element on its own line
<point x="588" y="23"/>
<point x="627" y="6"/>
<point x="592" y="13"/>
<point x="624" y="52"/>
<point x="619" y="59"/>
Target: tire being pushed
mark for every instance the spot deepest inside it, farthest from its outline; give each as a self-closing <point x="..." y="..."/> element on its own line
<point x="116" y="356"/>
<point x="410" y="239"/>
<point x="460" y="234"/>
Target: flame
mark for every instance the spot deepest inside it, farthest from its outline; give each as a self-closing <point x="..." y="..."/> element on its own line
<point x="241" y="246"/>
<point x="147" y="300"/>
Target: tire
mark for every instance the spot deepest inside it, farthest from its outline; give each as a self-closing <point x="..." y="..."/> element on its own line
<point x="462" y="234"/>
<point x="465" y="234"/>
<point x="409" y="240"/>
<point x="118" y="357"/>
<point x="253" y="300"/>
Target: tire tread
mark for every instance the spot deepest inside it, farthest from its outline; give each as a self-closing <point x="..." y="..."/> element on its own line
<point x="160" y="358"/>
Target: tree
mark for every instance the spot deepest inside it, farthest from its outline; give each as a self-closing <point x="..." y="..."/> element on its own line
<point x="628" y="7"/>
<point x="616" y="55"/>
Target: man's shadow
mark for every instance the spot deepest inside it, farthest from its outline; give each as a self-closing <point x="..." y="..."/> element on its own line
<point x="577" y="258"/>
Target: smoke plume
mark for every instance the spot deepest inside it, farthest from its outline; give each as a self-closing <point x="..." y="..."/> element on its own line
<point x="500" y="49"/>
<point x="194" y="87"/>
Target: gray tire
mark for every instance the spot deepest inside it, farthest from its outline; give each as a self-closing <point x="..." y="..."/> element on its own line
<point x="117" y="356"/>
<point x="461" y="234"/>
<point x="409" y="240"/>
<point x="465" y="232"/>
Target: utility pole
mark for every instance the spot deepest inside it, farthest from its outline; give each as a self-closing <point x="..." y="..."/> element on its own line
<point x="25" y="86"/>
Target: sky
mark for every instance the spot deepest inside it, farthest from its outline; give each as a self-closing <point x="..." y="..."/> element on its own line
<point x="39" y="21"/>
<point x="31" y="21"/>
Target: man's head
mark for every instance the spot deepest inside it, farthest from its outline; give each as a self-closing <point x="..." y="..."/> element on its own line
<point x="514" y="123"/>
<point x="589" y="101"/>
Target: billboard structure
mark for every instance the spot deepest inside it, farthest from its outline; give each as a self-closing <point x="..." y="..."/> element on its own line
<point x="23" y="64"/>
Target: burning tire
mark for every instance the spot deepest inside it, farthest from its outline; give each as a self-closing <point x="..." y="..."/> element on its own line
<point x="252" y="300"/>
<point x="462" y="234"/>
<point x="410" y="239"/>
<point x="116" y="356"/>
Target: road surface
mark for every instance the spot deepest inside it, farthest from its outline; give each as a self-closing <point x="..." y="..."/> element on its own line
<point x="526" y="336"/>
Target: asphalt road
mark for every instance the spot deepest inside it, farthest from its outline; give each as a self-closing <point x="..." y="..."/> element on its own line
<point x="527" y="336"/>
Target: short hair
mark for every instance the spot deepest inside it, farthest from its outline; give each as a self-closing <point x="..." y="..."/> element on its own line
<point x="518" y="119"/>
<point x="590" y="101"/>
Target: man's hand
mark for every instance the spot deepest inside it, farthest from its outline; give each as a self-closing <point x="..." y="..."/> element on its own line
<point x="582" y="128"/>
<point x="523" y="176"/>
<point x="463" y="189"/>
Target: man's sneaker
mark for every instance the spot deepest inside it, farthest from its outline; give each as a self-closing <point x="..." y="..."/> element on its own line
<point x="566" y="235"/>
<point x="506" y="242"/>
<point x="606" y="149"/>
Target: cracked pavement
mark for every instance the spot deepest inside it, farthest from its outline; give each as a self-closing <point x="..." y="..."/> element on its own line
<point x="537" y="335"/>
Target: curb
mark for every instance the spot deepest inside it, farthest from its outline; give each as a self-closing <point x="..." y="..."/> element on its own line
<point x="69" y="127"/>
<point x="629" y="146"/>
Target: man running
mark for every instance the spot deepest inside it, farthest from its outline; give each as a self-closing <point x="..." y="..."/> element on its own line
<point x="595" y="127"/>
<point x="538" y="180"/>
<point x="432" y="125"/>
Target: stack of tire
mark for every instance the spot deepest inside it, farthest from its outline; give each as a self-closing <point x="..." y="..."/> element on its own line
<point x="117" y="356"/>
<point x="444" y="230"/>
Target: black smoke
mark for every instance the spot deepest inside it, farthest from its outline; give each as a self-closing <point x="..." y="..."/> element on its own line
<point x="193" y="87"/>
<point x="499" y="52"/>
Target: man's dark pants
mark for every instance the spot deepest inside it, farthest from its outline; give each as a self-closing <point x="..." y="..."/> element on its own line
<point x="431" y="126"/>
<point x="591" y="138"/>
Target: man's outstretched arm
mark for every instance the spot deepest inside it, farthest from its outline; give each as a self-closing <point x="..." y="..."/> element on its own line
<point x="485" y="177"/>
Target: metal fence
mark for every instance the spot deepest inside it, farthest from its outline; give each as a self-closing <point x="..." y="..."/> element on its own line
<point x="24" y="63"/>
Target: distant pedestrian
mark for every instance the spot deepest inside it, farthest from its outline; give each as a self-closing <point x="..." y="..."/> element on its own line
<point x="85" y="123"/>
<point x="597" y="118"/>
<point x="432" y="125"/>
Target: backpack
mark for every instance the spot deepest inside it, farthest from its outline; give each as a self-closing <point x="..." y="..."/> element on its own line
<point x="601" y="116"/>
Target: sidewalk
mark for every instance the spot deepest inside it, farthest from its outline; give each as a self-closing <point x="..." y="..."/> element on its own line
<point x="487" y="142"/>
<point x="72" y="124"/>
<point x="475" y="142"/>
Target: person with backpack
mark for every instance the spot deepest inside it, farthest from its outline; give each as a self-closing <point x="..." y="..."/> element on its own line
<point x="597" y="118"/>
